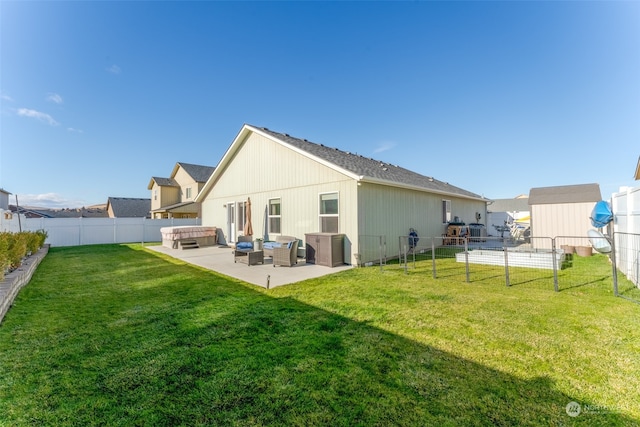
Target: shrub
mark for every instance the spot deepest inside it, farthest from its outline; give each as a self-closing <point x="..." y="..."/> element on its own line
<point x="42" y="237"/>
<point x="15" y="246"/>
<point x="4" y="253"/>
<point x="17" y="249"/>
<point x="35" y="240"/>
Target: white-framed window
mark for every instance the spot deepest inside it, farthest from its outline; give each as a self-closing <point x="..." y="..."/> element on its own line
<point x="188" y="193"/>
<point x="446" y="211"/>
<point x="275" y="216"/>
<point x="329" y="217"/>
<point x="155" y="194"/>
<point x="241" y="211"/>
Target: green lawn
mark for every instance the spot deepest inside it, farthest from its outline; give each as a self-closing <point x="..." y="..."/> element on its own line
<point x="118" y="335"/>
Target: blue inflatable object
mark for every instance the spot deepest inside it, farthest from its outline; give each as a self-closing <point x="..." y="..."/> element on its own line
<point x="601" y="215"/>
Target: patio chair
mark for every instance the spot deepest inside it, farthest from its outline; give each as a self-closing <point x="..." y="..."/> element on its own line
<point x="280" y="240"/>
<point x="286" y="255"/>
<point x="240" y="252"/>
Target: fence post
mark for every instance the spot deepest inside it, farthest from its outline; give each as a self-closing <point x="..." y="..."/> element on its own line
<point x="433" y="256"/>
<point x="380" y="249"/>
<point x="555" y="264"/>
<point x="404" y="250"/>
<point x="506" y="263"/>
<point x="466" y="258"/>
<point x="613" y="264"/>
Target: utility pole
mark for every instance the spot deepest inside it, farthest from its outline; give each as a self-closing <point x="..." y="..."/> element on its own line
<point x="18" y="212"/>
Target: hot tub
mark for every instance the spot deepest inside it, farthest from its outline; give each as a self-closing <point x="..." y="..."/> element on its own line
<point x="173" y="236"/>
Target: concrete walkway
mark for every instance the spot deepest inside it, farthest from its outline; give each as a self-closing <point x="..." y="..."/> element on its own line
<point x="220" y="259"/>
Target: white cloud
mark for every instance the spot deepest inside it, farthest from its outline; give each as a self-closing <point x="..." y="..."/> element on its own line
<point x="54" y="97"/>
<point x="74" y="130"/>
<point x="385" y="146"/>
<point x="6" y="97"/>
<point x="48" y="200"/>
<point x="114" y="69"/>
<point x="43" y="117"/>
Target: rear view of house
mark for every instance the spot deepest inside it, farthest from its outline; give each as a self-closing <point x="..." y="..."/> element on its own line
<point x="298" y="187"/>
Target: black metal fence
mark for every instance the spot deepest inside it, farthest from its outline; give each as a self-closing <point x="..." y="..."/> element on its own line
<point x="558" y="263"/>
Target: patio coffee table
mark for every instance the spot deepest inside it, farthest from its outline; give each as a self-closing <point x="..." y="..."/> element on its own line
<point x="249" y="257"/>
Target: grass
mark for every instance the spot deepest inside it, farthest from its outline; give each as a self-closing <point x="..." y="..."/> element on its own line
<point x="117" y="335"/>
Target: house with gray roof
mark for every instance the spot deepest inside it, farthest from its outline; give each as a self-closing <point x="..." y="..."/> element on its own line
<point x="298" y="187"/>
<point x="127" y="207"/>
<point x="174" y="197"/>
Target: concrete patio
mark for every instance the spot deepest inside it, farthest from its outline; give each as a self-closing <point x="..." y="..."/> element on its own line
<point x="220" y="259"/>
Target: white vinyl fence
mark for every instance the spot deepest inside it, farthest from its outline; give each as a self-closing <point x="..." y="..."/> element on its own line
<point x="90" y="231"/>
<point x="626" y="210"/>
<point x="626" y="223"/>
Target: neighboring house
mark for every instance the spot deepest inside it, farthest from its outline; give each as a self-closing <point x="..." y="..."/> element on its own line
<point x="563" y="211"/>
<point x="31" y="213"/>
<point x="638" y="170"/>
<point x="298" y="187"/>
<point x="502" y="212"/>
<point x="123" y="207"/>
<point x="91" y="212"/>
<point x="174" y="197"/>
<point x="4" y="199"/>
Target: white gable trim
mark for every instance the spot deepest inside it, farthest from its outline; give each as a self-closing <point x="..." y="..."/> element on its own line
<point x="237" y="143"/>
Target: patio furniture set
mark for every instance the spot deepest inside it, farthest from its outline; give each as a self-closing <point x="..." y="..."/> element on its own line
<point x="283" y="252"/>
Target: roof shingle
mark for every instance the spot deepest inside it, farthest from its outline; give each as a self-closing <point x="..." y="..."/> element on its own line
<point x="369" y="168"/>
<point x="581" y="193"/>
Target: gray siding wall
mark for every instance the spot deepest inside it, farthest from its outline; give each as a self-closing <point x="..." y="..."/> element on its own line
<point x="390" y="212"/>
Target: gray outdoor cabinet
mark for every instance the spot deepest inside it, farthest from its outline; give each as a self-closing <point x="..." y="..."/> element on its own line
<point x="324" y="249"/>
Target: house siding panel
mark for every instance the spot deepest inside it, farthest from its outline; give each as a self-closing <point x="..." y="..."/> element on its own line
<point x="397" y="210"/>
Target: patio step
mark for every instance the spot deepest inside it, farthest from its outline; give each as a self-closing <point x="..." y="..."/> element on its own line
<point x="189" y="244"/>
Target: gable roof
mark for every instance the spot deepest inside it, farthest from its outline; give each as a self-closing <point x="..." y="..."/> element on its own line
<point x="199" y="173"/>
<point x="582" y="193"/>
<point x="356" y="166"/>
<point x="124" y="207"/>
<point x="162" y="182"/>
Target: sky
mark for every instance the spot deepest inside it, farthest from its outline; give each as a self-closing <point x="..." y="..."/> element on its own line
<point x="493" y="97"/>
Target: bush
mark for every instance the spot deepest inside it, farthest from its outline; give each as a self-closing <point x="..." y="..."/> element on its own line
<point x="4" y="253"/>
<point x="35" y="240"/>
<point x="15" y="246"/>
<point x="17" y="249"/>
